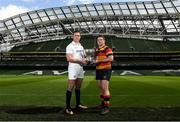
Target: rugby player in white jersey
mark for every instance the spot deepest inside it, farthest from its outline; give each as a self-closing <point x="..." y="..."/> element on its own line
<point x="76" y="57"/>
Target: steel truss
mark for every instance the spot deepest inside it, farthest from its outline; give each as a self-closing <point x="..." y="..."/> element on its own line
<point x="153" y="19"/>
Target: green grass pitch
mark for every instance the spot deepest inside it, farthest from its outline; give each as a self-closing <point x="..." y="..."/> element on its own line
<point x="47" y="93"/>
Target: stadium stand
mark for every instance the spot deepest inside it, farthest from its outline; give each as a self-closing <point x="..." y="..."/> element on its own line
<point x="119" y="44"/>
<point x="142" y="34"/>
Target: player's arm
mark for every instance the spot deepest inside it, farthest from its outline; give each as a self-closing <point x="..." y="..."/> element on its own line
<point x="71" y="59"/>
<point x="110" y="58"/>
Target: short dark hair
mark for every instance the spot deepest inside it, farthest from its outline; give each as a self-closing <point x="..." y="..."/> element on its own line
<point x="102" y="36"/>
<point x="76" y="31"/>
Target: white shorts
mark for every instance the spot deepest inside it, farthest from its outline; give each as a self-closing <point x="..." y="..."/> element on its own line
<point x="75" y="72"/>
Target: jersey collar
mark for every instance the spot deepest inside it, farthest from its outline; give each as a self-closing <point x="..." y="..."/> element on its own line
<point x="74" y="43"/>
<point x="102" y="48"/>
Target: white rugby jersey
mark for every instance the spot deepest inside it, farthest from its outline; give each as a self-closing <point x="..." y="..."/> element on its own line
<point x="77" y="50"/>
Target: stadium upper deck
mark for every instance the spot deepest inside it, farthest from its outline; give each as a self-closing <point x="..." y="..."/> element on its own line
<point x="153" y="19"/>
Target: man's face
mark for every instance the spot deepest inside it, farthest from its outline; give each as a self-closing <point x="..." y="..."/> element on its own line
<point x="100" y="41"/>
<point x="76" y="37"/>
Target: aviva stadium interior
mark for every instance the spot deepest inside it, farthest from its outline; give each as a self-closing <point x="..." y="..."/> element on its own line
<point x="143" y="35"/>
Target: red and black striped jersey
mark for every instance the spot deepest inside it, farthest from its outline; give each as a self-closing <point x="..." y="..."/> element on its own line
<point x="101" y="54"/>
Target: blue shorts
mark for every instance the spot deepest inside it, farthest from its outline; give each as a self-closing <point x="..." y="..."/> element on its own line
<point x="103" y="74"/>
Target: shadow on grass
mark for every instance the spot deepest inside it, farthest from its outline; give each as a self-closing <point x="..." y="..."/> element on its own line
<point x="49" y="113"/>
<point x="35" y="110"/>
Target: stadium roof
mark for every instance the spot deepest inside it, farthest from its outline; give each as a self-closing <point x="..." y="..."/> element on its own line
<point x="128" y="19"/>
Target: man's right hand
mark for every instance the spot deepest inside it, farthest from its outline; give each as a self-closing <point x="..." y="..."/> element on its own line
<point x="84" y="61"/>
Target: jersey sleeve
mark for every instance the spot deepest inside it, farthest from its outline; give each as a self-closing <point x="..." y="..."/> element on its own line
<point x="109" y="52"/>
<point x="69" y="50"/>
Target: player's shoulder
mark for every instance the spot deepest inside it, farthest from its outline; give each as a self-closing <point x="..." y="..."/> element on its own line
<point x="69" y="45"/>
<point x="108" y="48"/>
